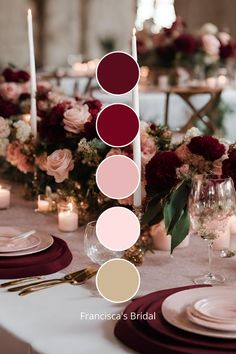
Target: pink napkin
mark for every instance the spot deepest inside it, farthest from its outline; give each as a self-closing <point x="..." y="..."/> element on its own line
<point x="158" y="336"/>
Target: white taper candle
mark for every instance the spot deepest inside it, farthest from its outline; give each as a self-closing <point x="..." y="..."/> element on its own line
<point x="137" y="143"/>
<point x="33" y="111"/>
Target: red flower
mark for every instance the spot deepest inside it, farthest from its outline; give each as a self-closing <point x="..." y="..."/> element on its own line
<point x="207" y="146"/>
<point x="8" y="108"/>
<point x="229" y="169"/>
<point x="90" y="130"/>
<point x="51" y="127"/>
<point x="11" y="75"/>
<point x="186" y="43"/>
<point x="94" y="107"/>
<point x="226" y="51"/>
<point x="161" y="170"/>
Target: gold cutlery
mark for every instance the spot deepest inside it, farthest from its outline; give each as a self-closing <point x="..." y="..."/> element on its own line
<point x="67" y="277"/>
<point x="18" y="281"/>
<point x="78" y="279"/>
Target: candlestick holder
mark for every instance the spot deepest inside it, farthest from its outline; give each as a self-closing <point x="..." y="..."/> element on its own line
<point x="138" y="211"/>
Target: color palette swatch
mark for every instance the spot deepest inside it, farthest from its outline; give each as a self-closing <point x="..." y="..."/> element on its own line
<point x="117" y="73"/>
<point x="118" y="280"/>
<point x="118" y="177"/>
<point x="118" y="228"/>
<point x="117" y="125"/>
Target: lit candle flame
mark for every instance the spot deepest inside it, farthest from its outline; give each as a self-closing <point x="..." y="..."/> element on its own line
<point x="70" y="206"/>
<point x="29" y="12"/>
<point x="134" y="31"/>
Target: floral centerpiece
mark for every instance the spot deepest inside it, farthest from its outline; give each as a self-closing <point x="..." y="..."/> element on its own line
<point x="169" y="174"/>
<point x="67" y="151"/>
<point x="176" y="47"/>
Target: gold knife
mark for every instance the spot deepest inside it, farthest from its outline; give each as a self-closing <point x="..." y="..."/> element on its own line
<point x="66" y="277"/>
<point x="77" y="280"/>
<point x="18" y="281"/>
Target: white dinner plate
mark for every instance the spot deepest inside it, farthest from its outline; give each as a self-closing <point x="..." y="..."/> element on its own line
<point x="45" y="242"/>
<point x="209" y="324"/>
<point x="174" y="309"/>
<point x="217" y="308"/>
<point x="9" y="245"/>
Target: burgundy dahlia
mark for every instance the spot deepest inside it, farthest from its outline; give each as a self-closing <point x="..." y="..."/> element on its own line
<point x="229" y="169"/>
<point x="8" y="109"/>
<point x="161" y="170"/>
<point x="226" y="51"/>
<point x="90" y="130"/>
<point x="207" y="146"/>
<point x="11" y="75"/>
<point x="186" y="43"/>
<point x="94" y="107"/>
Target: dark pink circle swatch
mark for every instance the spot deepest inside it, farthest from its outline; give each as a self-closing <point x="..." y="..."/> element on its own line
<point x="117" y="73"/>
<point x="117" y="125"/>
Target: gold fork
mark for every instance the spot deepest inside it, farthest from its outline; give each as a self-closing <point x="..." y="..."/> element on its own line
<point x="49" y="281"/>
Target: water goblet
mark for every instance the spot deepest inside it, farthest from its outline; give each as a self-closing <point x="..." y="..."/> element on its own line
<point x="211" y="204"/>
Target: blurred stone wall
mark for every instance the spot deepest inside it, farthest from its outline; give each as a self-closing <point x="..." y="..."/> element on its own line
<point x="88" y="27"/>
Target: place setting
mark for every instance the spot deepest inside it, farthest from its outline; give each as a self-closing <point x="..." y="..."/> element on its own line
<point x="31" y="253"/>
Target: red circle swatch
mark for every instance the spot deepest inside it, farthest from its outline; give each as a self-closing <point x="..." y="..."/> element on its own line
<point x="117" y="73"/>
<point x="117" y="125"/>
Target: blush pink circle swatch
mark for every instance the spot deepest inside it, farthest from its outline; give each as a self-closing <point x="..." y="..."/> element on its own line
<point x="117" y="125"/>
<point x="117" y="228"/>
<point x="117" y="177"/>
<point x="117" y="73"/>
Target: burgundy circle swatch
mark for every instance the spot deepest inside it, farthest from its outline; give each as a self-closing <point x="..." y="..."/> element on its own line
<point x="118" y="228"/>
<point x="117" y="177"/>
<point x="117" y="125"/>
<point x="117" y="73"/>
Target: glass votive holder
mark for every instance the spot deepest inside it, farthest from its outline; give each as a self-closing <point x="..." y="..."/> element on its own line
<point x="68" y="217"/>
<point x="5" y="196"/>
<point x="93" y="247"/>
<point x="44" y="203"/>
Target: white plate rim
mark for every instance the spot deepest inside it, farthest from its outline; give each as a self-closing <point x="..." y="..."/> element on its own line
<point x="202" y="305"/>
<point x="24" y="248"/>
<point x="176" y="315"/>
<point x="46" y="241"/>
<point x="212" y="325"/>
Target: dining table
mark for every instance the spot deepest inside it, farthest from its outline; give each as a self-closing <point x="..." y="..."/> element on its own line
<point x="73" y="319"/>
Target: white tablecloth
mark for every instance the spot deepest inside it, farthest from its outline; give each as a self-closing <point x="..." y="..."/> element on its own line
<point x="49" y="322"/>
<point x="152" y="105"/>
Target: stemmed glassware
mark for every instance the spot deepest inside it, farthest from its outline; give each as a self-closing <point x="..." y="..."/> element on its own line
<point x="94" y="249"/>
<point x="212" y="202"/>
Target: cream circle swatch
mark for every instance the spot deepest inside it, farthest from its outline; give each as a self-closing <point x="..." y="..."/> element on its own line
<point x="117" y="228"/>
<point x="117" y="177"/>
<point x="118" y="280"/>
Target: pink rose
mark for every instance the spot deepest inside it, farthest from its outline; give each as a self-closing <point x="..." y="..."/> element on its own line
<point x="224" y="37"/>
<point x="59" y="164"/>
<point x="4" y="128"/>
<point x="41" y="162"/>
<point x="211" y="45"/>
<point x="43" y="87"/>
<point x="75" y="118"/>
<point x="17" y="158"/>
<point x="9" y="91"/>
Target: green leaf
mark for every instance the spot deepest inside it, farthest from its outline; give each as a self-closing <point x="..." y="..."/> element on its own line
<point x="180" y="230"/>
<point x="175" y="205"/>
<point x="154" y="209"/>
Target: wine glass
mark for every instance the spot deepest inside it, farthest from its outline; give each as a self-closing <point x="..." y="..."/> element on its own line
<point x="211" y="204"/>
<point x="94" y="249"/>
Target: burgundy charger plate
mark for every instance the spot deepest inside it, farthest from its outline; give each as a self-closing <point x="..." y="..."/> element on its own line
<point x="51" y="260"/>
<point x="154" y="336"/>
